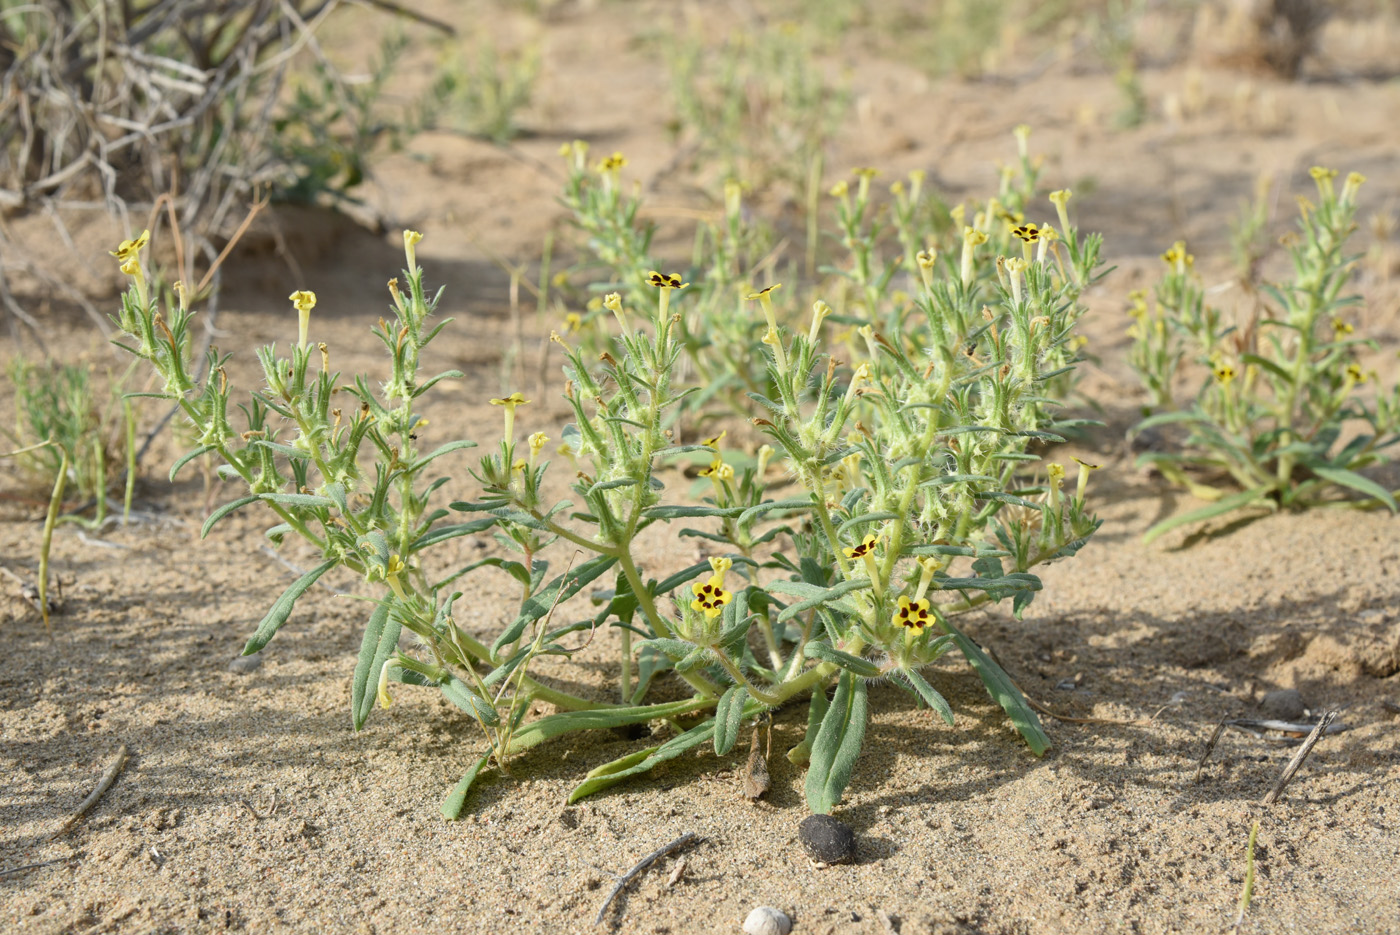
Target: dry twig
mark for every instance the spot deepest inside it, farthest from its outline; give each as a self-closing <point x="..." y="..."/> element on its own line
<point x="683" y="841"/>
<point x="103" y="785"/>
<point x="1296" y="763"/>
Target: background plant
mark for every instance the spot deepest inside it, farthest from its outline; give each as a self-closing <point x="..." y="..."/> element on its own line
<point x="1282" y="385"/>
<point x="113" y="106"/>
<point x="483" y="95"/>
<point x="875" y="263"/>
<point x="68" y="439"/>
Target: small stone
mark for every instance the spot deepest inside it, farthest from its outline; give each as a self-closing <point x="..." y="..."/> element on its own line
<point x="827" y="840"/>
<point x="1286" y="704"/>
<point x="765" y="920"/>
<point x="245" y="664"/>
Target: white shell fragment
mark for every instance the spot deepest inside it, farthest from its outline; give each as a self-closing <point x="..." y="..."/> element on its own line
<point x="765" y="920"/>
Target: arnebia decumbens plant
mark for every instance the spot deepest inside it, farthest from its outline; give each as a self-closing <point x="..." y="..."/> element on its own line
<point x="899" y="492"/>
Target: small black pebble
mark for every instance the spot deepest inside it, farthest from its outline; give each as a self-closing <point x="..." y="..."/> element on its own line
<point x="827" y="840"/>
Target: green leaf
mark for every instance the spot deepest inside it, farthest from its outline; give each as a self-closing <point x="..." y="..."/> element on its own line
<point x="827" y="653"/>
<point x="729" y="717"/>
<point x="866" y="519"/>
<point x="540" y="603"/>
<point x="650" y="662"/>
<point x="1219" y="507"/>
<point x="287" y="451"/>
<point x="611" y="774"/>
<point x="927" y="692"/>
<point x="301" y="500"/>
<point x="1163" y="418"/>
<point x="672" y="649"/>
<point x="791" y="503"/>
<point x="959" y="479"/>
<point x="825" y="596"/>
<point x="681" y="577"/>
<point x="433" y="381"/>
<point x="555" y="725"/>
<point x="277" y="615"/>
<point x="175" y="468"/>
<point x="816" y="713"/>
<point x="685" y="512"/>
<point x="452" y="805"/>
<point x="381" y="637"/>
<point x="439" y="452"/>
<point x="443" y="533"/>
<point x="221" y="511"/>
<point x="1357" y="482"/>
<point x="837" y="745"/>
<point x="1003" y="691"/>
<point x="465" y="697"/>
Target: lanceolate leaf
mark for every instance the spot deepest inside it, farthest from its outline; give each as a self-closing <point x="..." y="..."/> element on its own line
<point x="930" y="695"/>
<point x="186" y="459"/>
<point x="612" y="773"/>
<point x="381" y="636"/>
<point x="537" y="606"/>
<point x="221" y="511"/>
<point x="282" y="609"/>
<point x="465" y="697"/>
<point x="1218" y="508"/>
<point x="837" y="745"/>
<point x="827" y="653"/>
<point x="452" y="805"/>
<point x="729" y="716"/>
<point x="1358" y="482"/>
<point x="1003" y="691"/>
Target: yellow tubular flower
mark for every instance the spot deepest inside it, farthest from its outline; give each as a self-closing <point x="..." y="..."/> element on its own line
<point x="1083" y="484"/>
<point x="714" y="440"/>
<point x="1353" y="184"/>
<point x="819" y="312"/>
<point x="765" y="299"/>
<point x="392" y="570"/>
<point x="733" y="199"/>
<point x="665" y="284"/>
<point x="926" y="260"/>
<point x="411" y="239"/>
<point x="1060" y="199"/>
<point x="1023" y="135"/>
<point x="613" y="303"/>
<point x="304" y="301"/>
<point x="710" y="597"/>
<point x="510" y="402"/>
<point x="866" y="547"/>
<point x="128" y="249"/>
<point x="972" y="239"/>
<point x="913" y="615"/>
<point x="537" y="441"/>
<point x="1323" y="177"/>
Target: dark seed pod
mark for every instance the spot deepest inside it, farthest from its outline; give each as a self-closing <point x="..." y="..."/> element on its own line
<point x="827" y="840"/>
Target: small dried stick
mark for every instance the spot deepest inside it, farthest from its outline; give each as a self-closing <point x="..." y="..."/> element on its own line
<point x="1296" y="763"/>
<point x="10" y="871"/>
<point x="103" y="785"/>
<point x="642" y="864"/>
<point x="1210" y="747"/>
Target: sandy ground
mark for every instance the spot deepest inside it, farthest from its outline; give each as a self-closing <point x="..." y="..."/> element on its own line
<point x="248" y="803"/>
